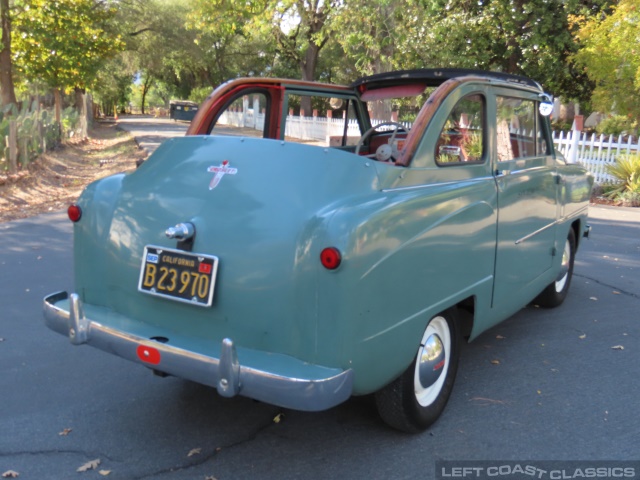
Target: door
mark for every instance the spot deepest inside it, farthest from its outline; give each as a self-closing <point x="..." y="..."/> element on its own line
<point x="525" y="176"/>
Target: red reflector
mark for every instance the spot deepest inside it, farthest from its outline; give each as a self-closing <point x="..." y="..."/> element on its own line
<point x="74" y="212"/>
<point x="148" y="355"/>
<point x="204" y="268"/>
<point x="330" y="258"/>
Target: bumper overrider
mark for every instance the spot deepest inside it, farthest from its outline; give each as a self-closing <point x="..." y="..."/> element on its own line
<point x="286" y="381"/>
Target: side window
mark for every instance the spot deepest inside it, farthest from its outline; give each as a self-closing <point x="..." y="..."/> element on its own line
<point x="244" y="116"/>
<point x="518" y="129"/>
<point x="321" y="120"/>
<point x="462" y="138"/>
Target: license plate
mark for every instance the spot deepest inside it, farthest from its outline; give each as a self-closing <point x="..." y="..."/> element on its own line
<point x="178" y="275"/>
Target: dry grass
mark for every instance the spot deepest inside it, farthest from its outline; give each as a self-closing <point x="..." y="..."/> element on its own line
<point x="58" y="177"/>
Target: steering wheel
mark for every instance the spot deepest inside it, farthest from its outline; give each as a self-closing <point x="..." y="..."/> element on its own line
<point x="382" y="154"/>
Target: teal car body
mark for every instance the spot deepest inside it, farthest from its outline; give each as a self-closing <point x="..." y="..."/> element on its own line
<point x="430" y="230"/>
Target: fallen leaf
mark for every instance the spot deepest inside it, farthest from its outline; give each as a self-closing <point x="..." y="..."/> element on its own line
<point x="92" y="465"/>
<point x="539" y="392"/>
<point x="210" y="478"/>
<point x="495" y="362"/>
<point x="195" y="451"/>
<point x="583" y="336"/>
<point x="618" y="347"/>
<point x="65" y="432"/>
<point x="104" y="473"/>
<point x="593" y="298"/>
<point x="500" y="337"/>
<point x="10" y="474"/>
<point x="278" y="418"/>
<point x="615" y="292"/>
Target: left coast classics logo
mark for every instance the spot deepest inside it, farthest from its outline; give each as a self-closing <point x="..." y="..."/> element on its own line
<point x="220" y="172"/>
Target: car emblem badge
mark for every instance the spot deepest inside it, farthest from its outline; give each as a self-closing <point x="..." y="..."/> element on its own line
<point x="220" y="172"/>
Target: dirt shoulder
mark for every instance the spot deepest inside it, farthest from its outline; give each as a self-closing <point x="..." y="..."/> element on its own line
<point x="57" y="178"/>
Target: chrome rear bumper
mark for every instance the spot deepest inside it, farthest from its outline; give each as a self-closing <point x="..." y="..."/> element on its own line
<point x="311" y="388"/>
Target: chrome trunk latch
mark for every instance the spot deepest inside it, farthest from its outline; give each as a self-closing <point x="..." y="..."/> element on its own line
<point x="182" y="231"/>
<point x="185" y="233"/>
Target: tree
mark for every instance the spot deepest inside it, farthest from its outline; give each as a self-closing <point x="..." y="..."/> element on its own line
<point x="531" y="37"/>
<point x="610" y="57"/>
<point x="65" y="42"/>
<point x="297" y="29"/>
<point x="6" y="67"/>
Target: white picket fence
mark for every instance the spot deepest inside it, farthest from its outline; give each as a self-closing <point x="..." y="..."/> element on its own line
<point x="303" y="128"/>
<point x="592" y="151"/>
<point x="595" y="151"/>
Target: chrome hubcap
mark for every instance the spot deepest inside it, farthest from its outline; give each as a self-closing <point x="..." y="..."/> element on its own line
<point x="563" y="275"/>
<point x="432" y="362"/>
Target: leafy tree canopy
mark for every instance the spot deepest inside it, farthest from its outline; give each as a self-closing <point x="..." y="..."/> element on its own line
<point x="611" y="57"/>
<point x="64" y="42"/>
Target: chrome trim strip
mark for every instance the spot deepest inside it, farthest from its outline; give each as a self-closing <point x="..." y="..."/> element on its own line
<point x="434" y="185"/>
<point x="560" y="221"/>
<point x="527" y="237"/>
<point x="319" y="389"/>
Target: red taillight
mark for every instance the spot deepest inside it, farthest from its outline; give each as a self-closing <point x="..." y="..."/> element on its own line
<point x="330" y="258"/>
<point x="74" y="212"/>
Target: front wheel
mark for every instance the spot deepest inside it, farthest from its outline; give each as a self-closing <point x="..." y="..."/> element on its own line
<point x="416" y="399"/>
<point x="556" y="291"/>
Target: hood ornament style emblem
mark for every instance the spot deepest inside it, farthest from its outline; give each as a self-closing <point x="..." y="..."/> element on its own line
<point x="220" y="171"/>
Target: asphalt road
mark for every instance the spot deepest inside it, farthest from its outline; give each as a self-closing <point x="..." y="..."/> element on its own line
<point x="150" y="132"/>
<point x="558" y="392"/>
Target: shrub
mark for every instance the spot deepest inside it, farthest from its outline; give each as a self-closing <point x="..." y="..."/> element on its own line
<point x="629" y="199"/>
<point x="70" y="120"/>
<point x="626" y="171"/>
<point x="616" y="125"/>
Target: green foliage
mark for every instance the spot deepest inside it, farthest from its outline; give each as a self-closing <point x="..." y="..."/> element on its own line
<point x="199" y="94"/>
<point x="629" y="199"/>
<point x="610" y="57"/>
<point x="27" y="121"/>
<point x="70" y="120"/>
<point x="64" y="42"/>
<point x="616" y="125"/>
<point x="626" y="170"/>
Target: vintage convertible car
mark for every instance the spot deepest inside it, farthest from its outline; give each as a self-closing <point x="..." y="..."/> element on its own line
<point x="299" y="245"/>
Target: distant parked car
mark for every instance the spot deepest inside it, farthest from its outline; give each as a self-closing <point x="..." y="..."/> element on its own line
<point x="300" y="257"/>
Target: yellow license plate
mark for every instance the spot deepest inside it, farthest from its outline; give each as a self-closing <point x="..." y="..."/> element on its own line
<point x="178" y="275"/>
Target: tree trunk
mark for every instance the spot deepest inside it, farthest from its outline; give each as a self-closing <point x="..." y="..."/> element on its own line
<point x="79" y="93"/>
<point x="308" y="70"/>
<point x="146" y="86"/>
<point x="7" y="92"/>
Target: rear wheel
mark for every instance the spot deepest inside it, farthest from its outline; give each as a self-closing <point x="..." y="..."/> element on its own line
<point x="556" y="291"/>
<point x="416" y="399"/>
